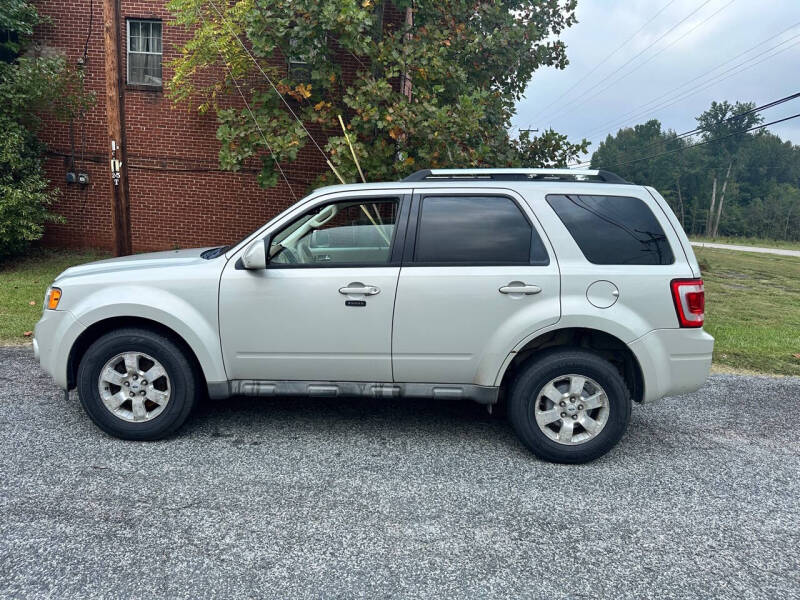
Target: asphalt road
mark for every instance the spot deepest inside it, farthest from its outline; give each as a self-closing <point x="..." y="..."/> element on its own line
<point x="356" y="498"/>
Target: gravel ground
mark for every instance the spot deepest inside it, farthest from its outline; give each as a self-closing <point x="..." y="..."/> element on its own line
<point x="355" y="498"/>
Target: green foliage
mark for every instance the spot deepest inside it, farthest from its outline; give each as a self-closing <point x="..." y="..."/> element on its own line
<point x="23" y="282"/>
<point x="763" y="192"/>
<point x="753" y="310"/>
<point x="29" y="86"/>
<point x="467" y="63"/>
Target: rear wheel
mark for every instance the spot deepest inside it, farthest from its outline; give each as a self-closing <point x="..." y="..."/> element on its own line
<point x="569" y="406"/>
<point x="136" y="384"/>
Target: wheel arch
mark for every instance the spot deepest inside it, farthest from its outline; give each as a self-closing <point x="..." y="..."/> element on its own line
<point x="101" y="327"/>
<point x="606" y="345"/>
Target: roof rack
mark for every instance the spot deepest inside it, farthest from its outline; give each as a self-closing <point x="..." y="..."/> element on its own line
<point x="582" y="175"/>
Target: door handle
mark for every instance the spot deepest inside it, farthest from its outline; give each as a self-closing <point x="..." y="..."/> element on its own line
<point x="516" y="287"/>
<point x="359" y="289"/>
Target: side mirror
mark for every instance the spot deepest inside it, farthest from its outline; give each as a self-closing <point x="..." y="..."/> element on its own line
<point x="257" y="255"/>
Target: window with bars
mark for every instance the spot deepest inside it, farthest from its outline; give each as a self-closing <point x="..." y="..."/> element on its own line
<point x="144" y="52"/>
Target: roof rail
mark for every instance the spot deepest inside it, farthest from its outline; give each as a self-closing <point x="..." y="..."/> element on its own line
<point x="582" y="175"/>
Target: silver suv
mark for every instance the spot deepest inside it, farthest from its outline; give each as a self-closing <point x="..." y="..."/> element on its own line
<point x="566" y="294"/>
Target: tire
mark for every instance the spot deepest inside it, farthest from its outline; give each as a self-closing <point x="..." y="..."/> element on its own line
<point x="529" y="406"/>
<point x="162" y="405"/>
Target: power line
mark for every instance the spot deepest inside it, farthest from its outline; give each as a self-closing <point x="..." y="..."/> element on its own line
<point x="697" y="130"/>
<point x="629" y="61"/>
<point x="249" y="110"/>
<point x="711" y="141"/>
<point x="651" y="57"/>
<point x="681" y="95"/>
<point x="684" y="84"/>
<point x="288" y="106"/>
<point x="605" y="60"/>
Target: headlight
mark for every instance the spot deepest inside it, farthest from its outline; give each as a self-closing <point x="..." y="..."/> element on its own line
<point x="51" y="298"/>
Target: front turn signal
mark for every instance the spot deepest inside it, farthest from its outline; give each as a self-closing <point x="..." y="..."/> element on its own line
<point x="53" y="298"/>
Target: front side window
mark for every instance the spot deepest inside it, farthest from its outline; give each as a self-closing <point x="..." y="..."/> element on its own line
<point x="144" y="52"/>
<point x="476" y="230"/>
<point x="613" y="230"/>
<point x="342" y="233"/>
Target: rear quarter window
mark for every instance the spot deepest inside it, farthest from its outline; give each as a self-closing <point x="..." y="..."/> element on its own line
<point x="613" y="230"/>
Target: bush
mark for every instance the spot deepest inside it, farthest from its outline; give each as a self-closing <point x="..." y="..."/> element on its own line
<point x="24" y="193"/>
<point x="30" y="85"/>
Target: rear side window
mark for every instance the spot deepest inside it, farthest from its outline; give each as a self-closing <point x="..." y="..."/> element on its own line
<point x="613" y="230"/>
<point x="476" y="230"/>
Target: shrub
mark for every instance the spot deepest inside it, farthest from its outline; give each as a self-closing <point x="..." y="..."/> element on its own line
<point x="24" y="193"/>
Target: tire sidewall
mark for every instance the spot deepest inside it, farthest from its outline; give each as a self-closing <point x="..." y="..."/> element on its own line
<point x="541" y="371"/>
<point x="179" y="371"/>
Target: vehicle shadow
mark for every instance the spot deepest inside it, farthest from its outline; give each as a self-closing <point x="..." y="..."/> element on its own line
<point x="247" y="419"/>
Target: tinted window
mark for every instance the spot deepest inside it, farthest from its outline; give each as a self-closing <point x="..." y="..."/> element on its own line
<point x="613" y="230"/>
<point x="474" y="230"/>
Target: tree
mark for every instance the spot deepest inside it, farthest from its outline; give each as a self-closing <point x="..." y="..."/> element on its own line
<point x="725" y="125"/>
<point x="467" y="64"/>
<point x="29" y="86"/>
<point x="762" y="200"/>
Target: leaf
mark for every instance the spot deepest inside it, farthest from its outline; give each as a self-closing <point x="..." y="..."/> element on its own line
<point x="796" y="355"/>
<point x="27" y="333"/>
<point x="32" y="302"/>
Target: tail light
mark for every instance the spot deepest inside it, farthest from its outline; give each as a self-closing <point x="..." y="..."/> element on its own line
<point x="690" y="301"/>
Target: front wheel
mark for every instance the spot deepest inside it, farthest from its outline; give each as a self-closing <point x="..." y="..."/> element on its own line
<point x="569" y="406"/>
<point x="136" y="384"/>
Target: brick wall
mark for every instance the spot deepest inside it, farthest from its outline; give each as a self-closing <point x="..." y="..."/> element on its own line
<point x="178" y="195"/>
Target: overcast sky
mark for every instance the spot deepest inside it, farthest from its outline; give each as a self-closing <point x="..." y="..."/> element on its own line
<point x="669" y="68"/>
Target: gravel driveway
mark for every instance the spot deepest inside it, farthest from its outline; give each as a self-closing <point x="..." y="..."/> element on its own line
<point x="356" y="498"/>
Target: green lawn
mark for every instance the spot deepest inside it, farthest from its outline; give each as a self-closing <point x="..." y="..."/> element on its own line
<point x="740" y="241"/>
<point x="24" y="281"/>
<point x="753" y="309"/>
<point x="752" y="304"/>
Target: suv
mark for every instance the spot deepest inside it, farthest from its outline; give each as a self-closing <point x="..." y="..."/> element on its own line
<point x="569" y="294"/>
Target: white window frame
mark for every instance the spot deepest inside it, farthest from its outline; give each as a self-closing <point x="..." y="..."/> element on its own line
<point x="128" y="53"/>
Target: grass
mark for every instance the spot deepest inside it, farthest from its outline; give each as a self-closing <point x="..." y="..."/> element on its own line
<point x="743" y="241"/>
<point x="752" y="303"/>
<point x="753" y="309"/>
<point x="23" y="282"/>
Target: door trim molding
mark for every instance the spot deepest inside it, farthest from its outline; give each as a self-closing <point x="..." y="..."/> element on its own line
<point x="365" y="389"/>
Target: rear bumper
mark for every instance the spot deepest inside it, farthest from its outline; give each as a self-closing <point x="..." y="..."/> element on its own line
<point x="54" y="335"/>
<point x="673" y="361"/>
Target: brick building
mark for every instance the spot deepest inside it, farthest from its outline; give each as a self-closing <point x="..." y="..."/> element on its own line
<point x="178" y="195"/>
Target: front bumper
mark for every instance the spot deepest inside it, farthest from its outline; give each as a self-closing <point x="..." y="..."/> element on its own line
<point x="54" y="335"/>
<point x="673" y="361"/>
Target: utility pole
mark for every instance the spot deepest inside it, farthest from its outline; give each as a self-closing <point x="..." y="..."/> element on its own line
<point x="120" y="210"/>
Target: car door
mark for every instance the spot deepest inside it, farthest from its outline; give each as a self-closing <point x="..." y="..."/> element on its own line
<point x="322" y="308"/>
<point x="477" y="277"/>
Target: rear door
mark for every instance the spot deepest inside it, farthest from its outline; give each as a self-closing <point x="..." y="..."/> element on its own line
<point x="477" y="276"/>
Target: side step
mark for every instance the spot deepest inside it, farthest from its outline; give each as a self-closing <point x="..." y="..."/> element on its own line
<point x="332" y="389"/>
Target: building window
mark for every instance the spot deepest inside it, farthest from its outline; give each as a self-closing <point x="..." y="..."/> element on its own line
<point x="298" y="68"/>
<point x="144" y="52"/>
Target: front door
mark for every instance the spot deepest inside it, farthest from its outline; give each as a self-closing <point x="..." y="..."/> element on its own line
<point x="477" y="277"/>
<point x="322" y="309"/>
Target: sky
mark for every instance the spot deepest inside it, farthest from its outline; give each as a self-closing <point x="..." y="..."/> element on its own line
<point x="686" y="54"/>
